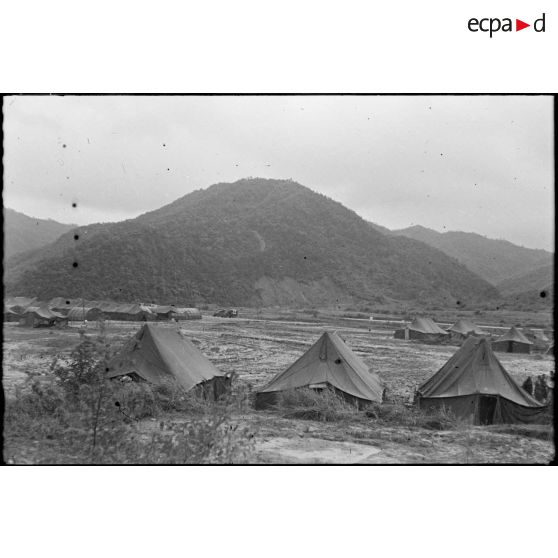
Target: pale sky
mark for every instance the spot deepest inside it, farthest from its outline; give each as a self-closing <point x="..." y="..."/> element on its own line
<point x="477" y="164"/>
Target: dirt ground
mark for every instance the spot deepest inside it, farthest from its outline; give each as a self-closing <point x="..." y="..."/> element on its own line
<point x="257" y="349"/>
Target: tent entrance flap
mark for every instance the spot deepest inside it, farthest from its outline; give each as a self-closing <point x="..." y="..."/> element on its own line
<point x="487" y="409"/>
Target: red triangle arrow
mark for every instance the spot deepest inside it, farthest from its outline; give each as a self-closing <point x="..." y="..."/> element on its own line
<point x="519" y="25"/>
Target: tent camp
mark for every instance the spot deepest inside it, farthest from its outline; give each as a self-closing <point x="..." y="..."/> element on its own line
<point x="422" y="328"/>
<point x="329" y="363"/>
<point x="80" y="314"/>
<point x="36" y="316"/>
<point x="463" y="328"/>
<point x="512" y="342"/>
<point x="159" y="355"/>
<point x="476" y="388"/>
<point x="187" y="314"/>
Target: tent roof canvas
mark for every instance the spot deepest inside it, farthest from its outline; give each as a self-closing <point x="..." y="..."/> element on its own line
<point x="329" y="361"/>
<point x="43" y="312"/>
<point x="158" y="354"/>
<point x="474" y="369"/>
<point x="464" y="327"/>
<point x="513" y="334"/>
<point x="426" y="325"/>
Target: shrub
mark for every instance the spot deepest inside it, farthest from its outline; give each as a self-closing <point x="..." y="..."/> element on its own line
<point x="324" y="405"/>
<point x="96" y="420"/>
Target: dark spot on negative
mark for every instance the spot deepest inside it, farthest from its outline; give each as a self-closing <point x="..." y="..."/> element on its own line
<point x="75" y="264"/>
<point x="74" y="204"/>
<point x="67" y="302"/>
<point x="543" y="294"/>
<point x="64" y="145"/>
<point x="117" y="403"/>
<point x="76" y="236"/>
<point x="458" y="302"/>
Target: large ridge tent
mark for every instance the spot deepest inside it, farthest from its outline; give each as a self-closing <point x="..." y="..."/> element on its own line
<point x="80" y="313"/>
<point x="329" y="363"/>
<point x="463" y="328"/>
<point x="422" y="328"/>
<point x="187" y="314"/>
<point x="63" y="305"/>
<point x="475" y="387"/>
<point x="128" y="312"/>
<point x="513" y="341"/>
<point x="36" y="316"/>
<point x="159" y="355"/>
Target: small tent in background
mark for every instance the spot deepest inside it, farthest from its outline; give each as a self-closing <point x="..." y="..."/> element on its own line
<point x="159" y="355"/>
<point x="423" y="329"/>
<point x="19" y="304"/>
<point x="463" y="328"/>
<point x="475" y="387"/>
<point x="63" y="305"/>
<point x="80" y="314"/>
<point x="329" y="363"/>
<point x="512" y="342"/>
<point x="11" y="315"/>
<point x="164" y="312"/>
<point x="537" y="337"/>
<point x="42" y="317"/>
<point x="187" y="314"/>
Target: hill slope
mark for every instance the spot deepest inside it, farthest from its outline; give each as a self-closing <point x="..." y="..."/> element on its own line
<point x="493" y="260"/>
<point x="22" y="233"/>
<point x="253" y="242"/>
<point x="538" y="279"/>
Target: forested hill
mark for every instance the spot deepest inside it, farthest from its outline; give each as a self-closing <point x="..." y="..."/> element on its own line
<point x="253" y="242"/>
<point x="22" y="233"/>
<point x="493" y="260"/>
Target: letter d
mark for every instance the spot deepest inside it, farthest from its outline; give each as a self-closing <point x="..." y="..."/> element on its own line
<point x="535" y="25"/>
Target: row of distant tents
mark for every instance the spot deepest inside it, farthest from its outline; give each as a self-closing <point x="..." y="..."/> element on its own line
<point x="513" y="341"/>
<point x="59" y="311"/>
<point x="473" y="384"/>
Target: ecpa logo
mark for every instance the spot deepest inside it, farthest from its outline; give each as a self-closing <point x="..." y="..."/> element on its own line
<point x="494" y="24"/>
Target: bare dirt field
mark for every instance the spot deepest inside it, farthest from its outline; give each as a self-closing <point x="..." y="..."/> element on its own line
<point x="256" y="349"/>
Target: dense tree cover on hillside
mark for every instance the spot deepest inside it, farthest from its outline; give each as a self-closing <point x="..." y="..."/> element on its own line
<point x="213" y="245"/>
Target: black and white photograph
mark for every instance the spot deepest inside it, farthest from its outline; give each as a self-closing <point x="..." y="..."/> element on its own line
<point x="278" y="279"/>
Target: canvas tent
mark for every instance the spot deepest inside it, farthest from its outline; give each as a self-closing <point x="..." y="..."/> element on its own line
<point x="463" y="328"/>
<point x="476" y="388"/>
<point x="63" y="305"/>
<point x="164" y="312"/>
<point x="187" y="314"/>
<point x="80" y="314"/>
<point x="329" y="363"/>
<point x="19" y="304"/>
<point x="512" y="342"/>
<point x="422" y="328"/>
<point x="11" y="315"/>
<point x="537" y="337"/>
<point x="159" y="354"/>
<point x="42" y="317"/>
<point x="128" y="312"/>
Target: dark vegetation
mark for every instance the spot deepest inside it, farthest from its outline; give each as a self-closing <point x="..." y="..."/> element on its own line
<point x="217" y="245"/>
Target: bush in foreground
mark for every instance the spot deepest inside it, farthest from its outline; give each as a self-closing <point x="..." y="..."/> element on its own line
<point x="79" y="416"/>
